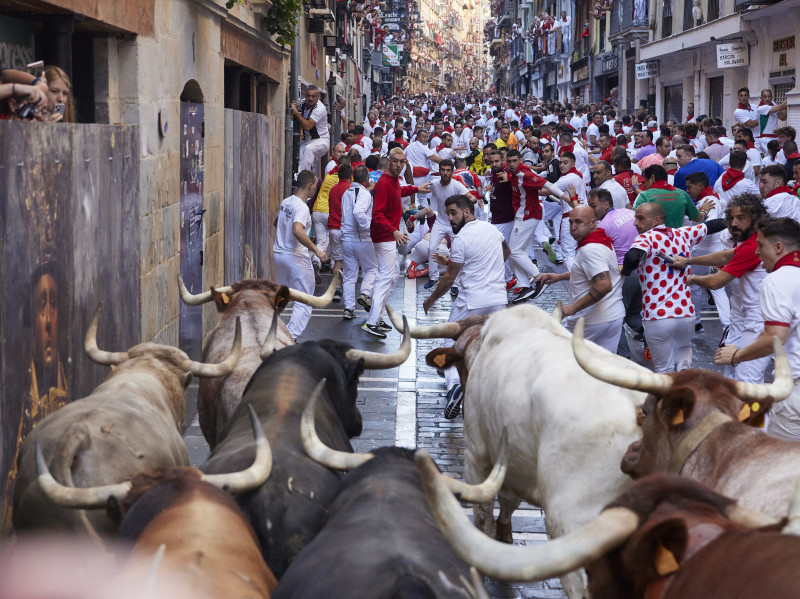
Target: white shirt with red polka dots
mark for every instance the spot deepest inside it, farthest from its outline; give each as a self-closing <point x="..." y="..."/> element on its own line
<point x="665" y="293"/>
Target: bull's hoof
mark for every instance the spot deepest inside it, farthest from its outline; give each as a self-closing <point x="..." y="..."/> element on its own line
<point x="504" y="533"/>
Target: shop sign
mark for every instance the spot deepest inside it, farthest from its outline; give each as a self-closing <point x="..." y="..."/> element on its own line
<point x="16" y="43"/>
<point x="581" y="73"/>
<point x="391" y="55"/>
<point x="609" y="64"/>
<point x="732" y="55"/>
<point x="783" y="44"/>
<point x="646" y="70"/>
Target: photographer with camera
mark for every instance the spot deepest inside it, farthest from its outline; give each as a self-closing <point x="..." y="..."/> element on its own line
<point x="25" y="96"/>
<point x="313" y="119"/>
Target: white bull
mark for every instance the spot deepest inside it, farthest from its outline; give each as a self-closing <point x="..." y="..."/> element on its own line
<point x="567" y="431"/>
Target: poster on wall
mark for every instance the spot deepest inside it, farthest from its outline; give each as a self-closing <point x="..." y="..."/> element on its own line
<point x="733" y="55"/>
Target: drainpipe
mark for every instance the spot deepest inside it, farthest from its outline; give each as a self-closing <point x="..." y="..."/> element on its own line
<point x="292" y="129"/>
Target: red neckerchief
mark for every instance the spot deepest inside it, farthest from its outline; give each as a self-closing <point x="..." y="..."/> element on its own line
<point x="662" y="185"/>
<point x="663" y="229"/>
<point x="440" y="147"/>
<point x="652" y="130"/>
<point x="793" y="155"/>
<point x="374" y="150"/>
<point x="781" y="189"/>
<point x="597" y="236"/>
<point x="334" y="171"/>
<point x="715" y="142"/>
<point x="672" y="171"/>
<point x="750" y="145"/>
<point x="687" y="137"/>
<point x="358" y="140"/>
<point x="762" y="103"/>
<point x="731" y="177"/>
<point x="689" y="117"/>
<point x="744" y="106"/>
<point x="792" y="259"/>
<point x="372" y="124"/>
<point x="576" y="171"/>
<point x="569" y="148"/>
<point x="708" y="192"/>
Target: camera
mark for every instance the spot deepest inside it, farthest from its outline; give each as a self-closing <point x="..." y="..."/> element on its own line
<point x="27" y="111"/>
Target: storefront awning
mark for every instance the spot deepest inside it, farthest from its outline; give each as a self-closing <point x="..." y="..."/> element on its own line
<point x="731" y="25"/>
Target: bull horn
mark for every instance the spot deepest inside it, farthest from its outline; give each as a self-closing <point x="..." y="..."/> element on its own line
<point x="646" y="381"/>
<point x="793" y="526"/>
<point x="743" y="516"/>
<point x="511" y="562"/>
<point x="151" y="576"/>
<point x="198" y="299"/>
<point x="272" y="337"/>
<point x="75" y="497"/>
<point x="488" y="489"/>
<point x="776" y="391"/>
<point x="106" y="358"/>
<point x="375" y="360"/>
<point x="478" y="588"/>
<point x="316" y="449"/>
<point x="222" y="368"/>
<point x="446" y="330"/>
<point x="312" y="300"/>
<point x="257" y="473"/>
<point x="558" y="311"/>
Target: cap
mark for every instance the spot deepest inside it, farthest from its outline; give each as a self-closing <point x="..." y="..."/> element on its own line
<point x="652" y="124"/>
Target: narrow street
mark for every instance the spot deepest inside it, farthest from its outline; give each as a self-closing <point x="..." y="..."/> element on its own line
<point x="405" y="406"/>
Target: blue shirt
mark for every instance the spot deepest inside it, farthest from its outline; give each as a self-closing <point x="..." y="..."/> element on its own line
<point x="375" y="175"/>
<point x="712" y="170"/>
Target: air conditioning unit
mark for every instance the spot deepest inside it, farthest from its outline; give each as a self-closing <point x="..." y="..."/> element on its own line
<point x="326" y="14"/>
<point x="315" y="26"/>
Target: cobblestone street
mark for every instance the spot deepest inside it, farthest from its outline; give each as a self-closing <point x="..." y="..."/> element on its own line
<point x="405" y="406"/>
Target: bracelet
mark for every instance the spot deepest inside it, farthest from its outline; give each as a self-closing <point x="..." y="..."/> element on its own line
<point x="35" y="81"/>
<point x="733" y="355"/>
<point x="14" y="90"/>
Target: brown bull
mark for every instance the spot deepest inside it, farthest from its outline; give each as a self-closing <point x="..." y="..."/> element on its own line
<point x="131" y="422"/>
<point x="203" y="531"/>
<point x="695" y="424"/>
<point x="253" y="301"/>
<point x="666" y="537"/>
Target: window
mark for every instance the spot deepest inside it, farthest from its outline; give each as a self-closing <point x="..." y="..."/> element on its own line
<point x="713" y="10"/>
<point x="715" y="96"/>
<point x="781" y="89"/>
<point x="666" y="21"/>
<point x="688" y="20"/>
<point x="673" y="103"/>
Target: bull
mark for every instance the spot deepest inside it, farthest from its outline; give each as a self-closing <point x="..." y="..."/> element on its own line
<point x="695" y="424"/>
<point x="567" y="431"/>
<point x="131" y="422"/>
<point x="380" y="539"/>
<point x="202" y="531"/>
<point x="253" y="302"/>
<point x="289" y="509"/>
<point x="666" y="537"/>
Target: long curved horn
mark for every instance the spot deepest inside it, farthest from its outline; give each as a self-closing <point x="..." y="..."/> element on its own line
<point x="198" y="299"/>
<point x="84" y="498"/>
<point x="488" y="489"/>
<point x="510" y="562"/>
<point x="257" y="473"/>
<point x="479" y="590"/>
<point x="312" y="300"/>
<point x="649" y="382"/>
<point x="272" y="337"/>
<point x="744" y="516"/>
<point x="375" y="360"/>
<point x="222" y="368"/>
<point x="558" y="311"/>
<point x="446" y="330"/>
<point x="106" y="358"/>
<point x="316" y="449"/>
<point x="776" y="391"/>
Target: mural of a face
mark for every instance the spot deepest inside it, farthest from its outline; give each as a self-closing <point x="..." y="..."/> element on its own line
<point x="46" y="324"/>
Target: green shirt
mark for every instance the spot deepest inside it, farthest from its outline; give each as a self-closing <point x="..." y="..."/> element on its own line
<point x="676" y="203"/>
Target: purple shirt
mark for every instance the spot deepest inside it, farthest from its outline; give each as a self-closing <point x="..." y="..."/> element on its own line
<point x="645" y="151"/>
<point x="618" y="225"/>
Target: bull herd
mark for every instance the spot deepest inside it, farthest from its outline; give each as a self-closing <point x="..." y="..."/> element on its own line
<point x="654" y="485"/>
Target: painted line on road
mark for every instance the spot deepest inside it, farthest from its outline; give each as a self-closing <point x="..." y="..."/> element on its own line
<point x="405" y="424"/>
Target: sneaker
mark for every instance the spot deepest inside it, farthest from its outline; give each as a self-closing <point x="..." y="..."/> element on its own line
<point x="559" y="261"/>
<point x="373" y="330"/>
<point x="337" y="295"/>
<point x="552" y="239"/>
<point x="365" y="302"/>
<point x="317" y="278"/>
<point x="522" y="295"/>
<point x="431" y="283"/>
<point x="511" y="284"/>
<point x="384" y="326"/>
<point x="551" y="255"/>
<point x="325" y="267"/>
<point x="724" y="337"/>
<point x="647" y="355"/>
<point x="699" y="329"/>
<point x="348" y="314"/>
<point x="530" y="293"/>
<point x="455" y="397"/>
<point x="454" y="292"/>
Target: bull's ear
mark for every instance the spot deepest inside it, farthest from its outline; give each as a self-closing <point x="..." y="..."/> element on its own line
<point x="281" y="298"/>
<point x="656" y="551"/>
<point x="674" y="410"/>
<point x="753" y="413"/>
<point x="115" y="509"/>
<point x="221" y="299"/>
<point x="442" y="357"/>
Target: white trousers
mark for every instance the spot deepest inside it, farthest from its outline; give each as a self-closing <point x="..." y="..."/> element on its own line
<point x="604" y="334"/>
<point x="385" y="279"/>
<point x="336" y="249"/>
<point x="506" y="229"/>
<point x="720" y="297"/>
<point x="296" y="272"/>
<point x="437" y="234"/>
<point x="741" y="335"/>
<point x="784" y="419"/>
<point x="319" y="222"/>
<point x="310" y="153"/>
<point x="422" y="198"/>
<point x="358" y="253"/>
<point x="567" y="243"/>
<point x="670" y="343"/>
<point x="550" y="211"/>
<point x="459" y="311"/>
<point x="521" y="240"/>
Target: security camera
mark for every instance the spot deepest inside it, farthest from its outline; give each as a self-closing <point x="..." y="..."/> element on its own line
<point x="713" y="39"/>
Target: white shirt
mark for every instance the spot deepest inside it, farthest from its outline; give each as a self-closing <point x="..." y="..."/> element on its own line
<point x="711" y="243"/>
<point x="479" y="247"/>
<point x="576" y="122"/>
<point x="592" y="130"/>
<point x="591" y="260"/>
<point x="292" y="210"/>
<point x="330" y="166"/>
<point x="439" y="194"/>
<point x="356" y="213"/>
<point x="780" y="303"/>
<point x="740" y="115"/>
<point x="618" y="193"/>
<point x="580" y="188"/>
<point x="418" y="154"/>
<point x="582" y="162"/>
<point x="320" y="116"/>
<point x="742" y="186"/>
<point x="766" y="121"/>
<point x="783" y="204"/>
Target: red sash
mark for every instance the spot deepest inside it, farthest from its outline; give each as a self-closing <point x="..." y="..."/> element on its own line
<point x="731" y="177"/>
<point x="792" y="259"/>
<point x="420" y="171"/>
<point x="597" y="236"/>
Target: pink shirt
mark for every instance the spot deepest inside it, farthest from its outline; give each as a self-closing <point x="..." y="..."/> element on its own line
<point x="618" y="225"/>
